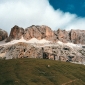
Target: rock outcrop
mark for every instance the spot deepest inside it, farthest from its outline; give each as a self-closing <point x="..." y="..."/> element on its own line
<point x="51" y="51"/>
<point x="62" y="35"/>
<point x="63" y="53"/>
<point x="16" y="33"/>
<point x="74" y="36"/>
<point x="77" y="36"/>
<point x="38" y="32"/>
<point x="20" y="50"/>
<point x="3" y="35"/>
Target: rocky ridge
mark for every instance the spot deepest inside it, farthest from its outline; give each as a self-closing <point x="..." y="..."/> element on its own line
<point x="57" y="48"/>
<point x="45" y="32"/>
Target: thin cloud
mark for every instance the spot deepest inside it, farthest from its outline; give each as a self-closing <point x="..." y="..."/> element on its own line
<point x="25" y="13"/>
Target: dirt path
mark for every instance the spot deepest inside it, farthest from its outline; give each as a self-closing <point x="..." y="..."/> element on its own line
<point x="70" y="82"/>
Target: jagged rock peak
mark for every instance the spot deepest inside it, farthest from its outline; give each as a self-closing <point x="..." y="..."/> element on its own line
<point x="38" y="32"/>
<point x="16" y="33"/>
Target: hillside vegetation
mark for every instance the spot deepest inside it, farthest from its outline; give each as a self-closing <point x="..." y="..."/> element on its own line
<point x="40" y="72"/>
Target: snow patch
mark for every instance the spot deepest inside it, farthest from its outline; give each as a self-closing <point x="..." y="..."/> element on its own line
<point x="61" y="43"/>
<point x="36" y="41"/>
<point x="44" y="41"/>
<point x="33" y="40"/>
<point x="73" y="45"/>
<point x="69" y="44"/>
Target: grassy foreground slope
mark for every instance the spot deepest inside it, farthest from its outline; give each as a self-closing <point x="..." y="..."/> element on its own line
<point x="40" y="72"/>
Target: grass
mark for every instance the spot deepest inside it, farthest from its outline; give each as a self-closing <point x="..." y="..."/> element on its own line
<point x="40" y="72"/>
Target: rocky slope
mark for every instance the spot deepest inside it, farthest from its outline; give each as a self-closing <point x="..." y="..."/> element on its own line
<point x="56" y="51"/>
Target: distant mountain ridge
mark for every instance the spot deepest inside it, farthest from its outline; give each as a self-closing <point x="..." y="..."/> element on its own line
<point x="44" y="32"/>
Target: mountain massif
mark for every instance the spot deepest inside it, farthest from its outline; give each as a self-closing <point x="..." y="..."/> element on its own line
<point x="40" y="32"/>
<point x="56" y="45"/>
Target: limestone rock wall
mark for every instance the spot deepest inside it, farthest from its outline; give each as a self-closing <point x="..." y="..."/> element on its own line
<point x="16" y="33"/>
<point x="54" y="52"/>
<point x="40" y="32"/>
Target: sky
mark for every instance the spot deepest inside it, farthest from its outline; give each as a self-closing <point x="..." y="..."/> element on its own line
<point x="63" y="14"/>
<point x="73" y="6"/>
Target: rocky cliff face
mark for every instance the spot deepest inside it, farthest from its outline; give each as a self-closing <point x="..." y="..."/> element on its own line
<point x="3" y="34"/>
<point x="40" y="32"/>
<point x="53" y="51"/>
<point x="20" y="50"/>
<point x="16" y="33"/>
<point x="62" y="35"/>
<point x="33" y="31"/>
<point x="64" y="53"/>
<point x="74" y="36"/>
<point x="77" y="36"/>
